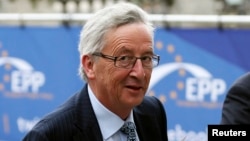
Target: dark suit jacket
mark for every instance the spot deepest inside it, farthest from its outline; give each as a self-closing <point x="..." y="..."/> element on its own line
<point x="236" y="107"/>
<point x="75" y="121"/>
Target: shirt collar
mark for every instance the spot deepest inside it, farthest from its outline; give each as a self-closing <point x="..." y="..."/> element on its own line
<point x="109" y="122"/>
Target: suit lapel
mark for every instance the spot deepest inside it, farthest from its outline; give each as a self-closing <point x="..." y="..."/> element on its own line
<point x="144" y="126"/>
<point x="86" y="121"/>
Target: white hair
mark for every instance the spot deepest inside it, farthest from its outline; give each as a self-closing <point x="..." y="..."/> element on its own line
<point x="91" y="36"/>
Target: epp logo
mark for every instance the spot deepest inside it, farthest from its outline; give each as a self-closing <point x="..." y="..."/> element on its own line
<point x="24" y="79"/>
<point x="197" y="87"/>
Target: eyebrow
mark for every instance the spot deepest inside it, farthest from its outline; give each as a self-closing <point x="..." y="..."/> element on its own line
<point x="125" y="49"/>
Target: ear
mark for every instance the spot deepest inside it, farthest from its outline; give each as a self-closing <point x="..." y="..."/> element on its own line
<point x="88" y="66"/>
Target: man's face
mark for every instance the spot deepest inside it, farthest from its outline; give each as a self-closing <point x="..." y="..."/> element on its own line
<point x="121" y="88"/>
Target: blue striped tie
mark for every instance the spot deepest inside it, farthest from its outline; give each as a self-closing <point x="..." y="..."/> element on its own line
<point x="129" y="129"/>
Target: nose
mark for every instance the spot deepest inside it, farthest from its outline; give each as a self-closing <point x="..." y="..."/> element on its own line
<point x="138" y="69"/>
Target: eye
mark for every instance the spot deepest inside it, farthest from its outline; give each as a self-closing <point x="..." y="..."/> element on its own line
<point x="125" y="58"/>
<point x="146" y="58"/>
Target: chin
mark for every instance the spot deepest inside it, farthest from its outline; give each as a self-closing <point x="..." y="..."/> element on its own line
<point x="137" y="101"/>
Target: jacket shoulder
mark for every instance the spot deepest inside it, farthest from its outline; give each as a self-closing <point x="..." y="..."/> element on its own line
<point x="150" y="104"/>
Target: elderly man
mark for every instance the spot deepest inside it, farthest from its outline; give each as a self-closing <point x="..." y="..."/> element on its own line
<point x="117" y="58"/>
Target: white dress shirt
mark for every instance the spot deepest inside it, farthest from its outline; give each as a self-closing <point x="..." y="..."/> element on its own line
<point x="109" y="122"/>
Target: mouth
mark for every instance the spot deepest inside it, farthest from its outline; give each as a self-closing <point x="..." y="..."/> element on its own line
<point x="134" y="87"/>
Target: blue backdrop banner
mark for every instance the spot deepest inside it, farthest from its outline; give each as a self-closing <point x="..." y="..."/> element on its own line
<point x="39" y="71"/>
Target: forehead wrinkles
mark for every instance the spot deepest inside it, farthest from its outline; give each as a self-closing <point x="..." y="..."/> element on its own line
<point x="118" y="37"/>
<point x="115" y="42"/>
<point x="129" y="36"/>
<point x="123" y="45"/>
<point x="115" y="45"/>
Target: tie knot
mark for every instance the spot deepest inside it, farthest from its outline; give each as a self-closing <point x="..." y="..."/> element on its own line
<point x="129" y="129"/>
